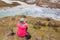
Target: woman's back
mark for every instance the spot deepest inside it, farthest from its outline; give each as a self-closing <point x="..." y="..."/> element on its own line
<point x="21" y="29"/>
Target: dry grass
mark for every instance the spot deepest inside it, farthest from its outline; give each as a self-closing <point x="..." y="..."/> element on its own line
<point x="43" y="33"/>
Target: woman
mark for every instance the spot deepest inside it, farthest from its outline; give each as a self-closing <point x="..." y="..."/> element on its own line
<point x="22" y="28"/>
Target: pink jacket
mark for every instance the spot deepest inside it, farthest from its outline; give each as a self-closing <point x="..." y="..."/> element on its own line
<point x="21" y="29"/>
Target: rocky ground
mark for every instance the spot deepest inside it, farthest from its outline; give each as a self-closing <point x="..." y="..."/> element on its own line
<point x="39" y="28"/>
<point x="4" y="4"/>
<point x="41" y="3"/>
<point x="44" y="3"/>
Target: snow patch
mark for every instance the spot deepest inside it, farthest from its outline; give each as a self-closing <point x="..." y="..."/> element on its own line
<point x="54" y="1"/>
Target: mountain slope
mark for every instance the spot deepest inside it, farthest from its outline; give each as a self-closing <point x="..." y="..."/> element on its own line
<point x="36" y="27"/>
<point x="43" y="3"/>
<point x="4" y="4"/>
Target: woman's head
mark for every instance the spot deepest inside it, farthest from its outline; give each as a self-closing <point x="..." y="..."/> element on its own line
<point x="21" y="19"/>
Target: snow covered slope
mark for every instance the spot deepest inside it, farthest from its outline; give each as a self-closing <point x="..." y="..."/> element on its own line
<point x="30" y="10"/>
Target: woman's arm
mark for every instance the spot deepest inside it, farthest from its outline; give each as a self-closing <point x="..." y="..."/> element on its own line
<point x="26" y="29"/>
